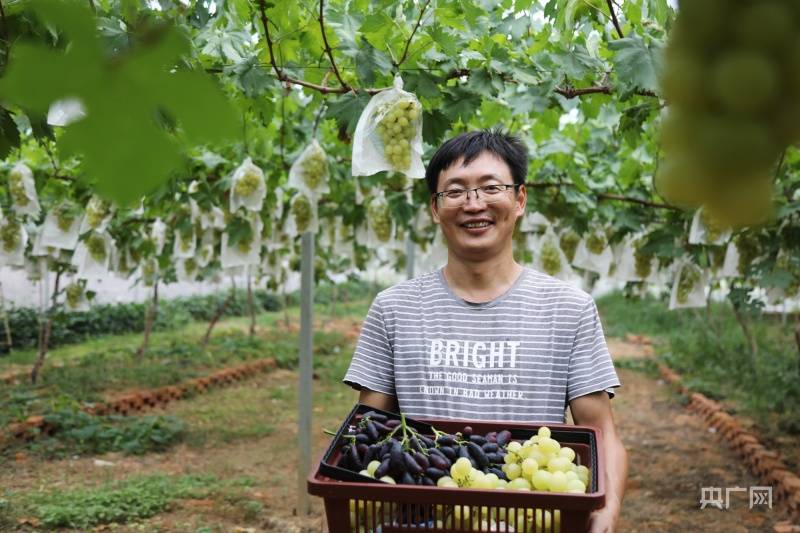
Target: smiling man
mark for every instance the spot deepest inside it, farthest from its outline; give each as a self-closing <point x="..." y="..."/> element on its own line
<point x="485" y="338"/>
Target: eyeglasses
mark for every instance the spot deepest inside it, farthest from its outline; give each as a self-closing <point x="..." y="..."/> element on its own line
<point x="458" y="197"/>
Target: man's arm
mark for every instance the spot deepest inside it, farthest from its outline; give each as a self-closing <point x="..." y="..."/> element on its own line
<point x="378" y="400"/>
<point x="595" y="410"/>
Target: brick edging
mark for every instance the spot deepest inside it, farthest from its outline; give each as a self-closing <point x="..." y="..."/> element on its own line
<point x="763" y="463"/>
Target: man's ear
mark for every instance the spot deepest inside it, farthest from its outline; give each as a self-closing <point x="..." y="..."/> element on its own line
<point x="434" y="210"/>
<point x="521" y="200"/>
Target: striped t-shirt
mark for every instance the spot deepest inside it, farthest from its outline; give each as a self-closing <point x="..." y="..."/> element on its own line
<point x="520" y="357"/>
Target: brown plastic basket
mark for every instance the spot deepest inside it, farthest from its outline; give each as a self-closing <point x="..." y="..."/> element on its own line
<point x="355" y="503"/>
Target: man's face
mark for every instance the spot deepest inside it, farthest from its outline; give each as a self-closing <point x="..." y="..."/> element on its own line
<point x="495" y="221"/>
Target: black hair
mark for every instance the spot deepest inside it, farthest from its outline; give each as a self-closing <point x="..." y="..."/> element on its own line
<point x="472" y="144"/>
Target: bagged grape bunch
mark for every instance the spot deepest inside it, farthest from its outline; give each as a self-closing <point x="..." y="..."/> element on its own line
<point x="379" y="220"/>
<point x="310" y="170"/>
<point x="730" y="79"/>
<point x="568" y="242"/>
<point x="92" y="256"/>
<point x="75" y="297"/>
<point x="22" y="189"/>
<point x="549" y="257"/>
<point x="388" y="135"/>
<point x="302" y="214"/>
<point x="705" y="229"/>
<point x="246" y="250"/>
<point x="61" y="227"/>
<point x="187" y="269"/>
<point x="644" y="262"/>
<point x="13" y="240"/>
<point x="688" y="287"/>
<point x="593" y="253"/>
<point x="97" y="215"/>
<point x="248" y="187"/>
<point x="149" y="272"/>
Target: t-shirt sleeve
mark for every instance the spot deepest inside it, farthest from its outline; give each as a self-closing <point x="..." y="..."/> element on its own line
<point x="590" y="365"/>
<point x="372" y="366"/>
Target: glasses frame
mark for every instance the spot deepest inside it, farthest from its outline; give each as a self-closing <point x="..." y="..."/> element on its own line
<point x="440" y="196"/>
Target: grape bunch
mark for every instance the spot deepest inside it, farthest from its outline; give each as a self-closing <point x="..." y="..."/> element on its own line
<point x="689" y="277"/>
<point x="749" y="248"/>
<point x="96" y="212"/>
<point x="314" y="167"/>
<point x="380" y="220"/>
<point x="716" y="257"/>
<point x="730" y="77"/>
<point x="302" y="213"/>
<point x="248" y="183"/>
<point x="643" y="261"/>
<point x="10" y="235"/>
<point x="550" y="257"/>
<point x="569" y="243"/>
<point x="397" y="127"/>
<point x="65" y="216"/>
<point x="712" y="226"/>
<point x="16" y="187"/>
<point x="150" y="271"/>
<point x="96" y="245"/>
<point x="190" y="266"/>
<point x="74" y="294"/>
<point x="596" y="242"/>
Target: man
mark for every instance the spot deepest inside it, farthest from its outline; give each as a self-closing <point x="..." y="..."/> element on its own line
<point x="484" y="338"/>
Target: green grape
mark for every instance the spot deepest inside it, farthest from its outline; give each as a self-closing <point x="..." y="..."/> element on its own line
<point x="596" y="242"/>
<point x="713" y="228"/>
<point x="397" y="129"/>
<point x="380" y="220"/>
<point x="16" y="187"/>
<point x="569" y="243"/>
<point x="244" y="244"/>
<point x="185" y="236"/>
<point x="302" y="212"/>
<point x="550" y="258"/>
<point x="717" y="256"/>
<point x="765" y="24"/>
<point x="97" y="247"/>
<point x="314" y="167"/>
<point x="190" y="266"/>
<point x="642" y="260"/>
<point x="749" y="248"/>
<point x="96" y="211"/>
<point x="65" y="216"/>
<point x="689" y="277"/>
<point x="745" y="82"/>
<point x="684" y="80"/>
<point x="10" y="234"/>
<point x="248" y="183"/>
<point x="74" y="293"/>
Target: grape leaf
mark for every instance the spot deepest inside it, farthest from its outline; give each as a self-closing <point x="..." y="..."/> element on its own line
<point x="636" y="63"/>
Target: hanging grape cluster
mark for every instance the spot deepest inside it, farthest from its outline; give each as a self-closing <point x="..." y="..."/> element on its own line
<point x="16" y="186"/>
<point x="713" y="228"/>
<point x="74" y="294"/>
<point x="248" y="183"/>
<point x="596" y="242"/>
<point x="96" y="212"/>
<point x="397" y="129"/>
<point x="689" y="277"/>
<point x="10" y="234"/>
<point x="550" y="258"/>
<point x="748" y="248"/>
<point x="380" y="220"/>
<point x="96" y="245"/>
<point x="731" y="79"/>
<point x="65" y="216"/>
<point x="302" y="213"/>
<point x="190" y="266"/>
<point x="643" y="261"/>
<point x="569" y="243"/>
<point x="314" y="167"/>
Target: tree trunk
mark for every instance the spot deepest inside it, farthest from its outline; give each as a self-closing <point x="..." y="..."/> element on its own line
<point x="6" y="325"/>
<point x="251" y="305"/>
<point x="748" y="335"/>
<point x="149" y="319"/>
<point x="334" y="295"/>
<point x="44" y="334"/>
<point x="797" y="336"/>
<point x="218" y="313"/>
<point x="285" y="299"/>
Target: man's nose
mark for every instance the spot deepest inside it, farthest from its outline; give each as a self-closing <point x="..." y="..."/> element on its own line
<point x="474" y="201"/>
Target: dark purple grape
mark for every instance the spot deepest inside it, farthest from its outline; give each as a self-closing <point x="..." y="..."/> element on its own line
<point x="344" y="459"/>
<point x="382" y="429"/>
<point x="372" y="453"/>
<point x="503" y="437"/>
<point x="449" y="452"/>
<point x="490" y="447"/>
<point x="362" y="450"/>
<point x="383" y="469"/>
<point x="414" y="444"/>
<point x="477" y="439"/>
<point x="421" y="459"/>
<point x="491" y="436"/>
<point x="391" y="424"/>
<point x="467" y="431"/>
<point x="355" y="461"/>
<point x="477" y="453"/>
<point x="385" y="447"/>
<point x="495" y="458"/>
<point x="363" y="438"/>
<point x="462" y="452"/>
<point x="439" y="462"/>
<point x="498" y="472"/>
<point x="372" y="415"/>
<point x="396" y="460"/>
<point x="407" y="479"/>
<point x="426" y="441"/>
<point x="435" y="473"/>
<point x="428" y="482"/>
<point x="446" y="440"/>
<point x="411" y="465"/>
<point x="371" y="431"/>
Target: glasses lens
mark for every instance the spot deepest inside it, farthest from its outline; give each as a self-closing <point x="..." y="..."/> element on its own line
<point x="491" y="196"/>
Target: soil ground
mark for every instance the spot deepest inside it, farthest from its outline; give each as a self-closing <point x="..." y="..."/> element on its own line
<point x="672" y="456"/>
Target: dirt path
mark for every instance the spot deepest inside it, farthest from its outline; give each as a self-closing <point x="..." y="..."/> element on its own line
<point x="672" y="456"/>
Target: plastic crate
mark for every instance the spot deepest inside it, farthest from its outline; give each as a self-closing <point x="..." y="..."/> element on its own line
<point x="385" y="508"/>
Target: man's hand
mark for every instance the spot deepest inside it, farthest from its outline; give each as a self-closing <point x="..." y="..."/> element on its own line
<point x="378" y="400"/>
<point x="595" y="410"/>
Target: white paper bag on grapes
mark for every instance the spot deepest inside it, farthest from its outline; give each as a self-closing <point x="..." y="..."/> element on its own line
<point x="534" y="221"/>
<point x="248" y="187"/>
<point x="22" y="190"/>
<point x="625" y="259"/>
<point x="379" y="221"/>
<point x="149" y="271"/>
<point x="184" y="245"/>
<point x="214" y="218"/>
<point x="13" y="241"/>
<point x="309" y="172"/>
<point x="205" y="252"/>
<point x="302" y="214"/>
<point x="97" y="215"/>
<point x="187" y="269"/>
<point x="158" y="232"/>
<point x="61" y="227"/>
<point x="587" y="256"/>
<point x="123" y="264"/>
<point x="704" y="230"/>
<point x="688" y="287"/>
<point x="94" y="261"/>
<point x="75" y="297"/>
<point x="730" y="268"/>
<point x="243" y="253"/>
<point x="549" y="258"/>
<point x="39" y="249"/>
<point x="388" y="135"/>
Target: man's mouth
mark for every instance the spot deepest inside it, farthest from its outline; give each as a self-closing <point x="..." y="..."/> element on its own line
<point x="477" y="224"/>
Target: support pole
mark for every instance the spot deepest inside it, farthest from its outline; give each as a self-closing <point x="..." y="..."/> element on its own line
<point x="306" y="371"/>
<point x="409" y="255"/>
